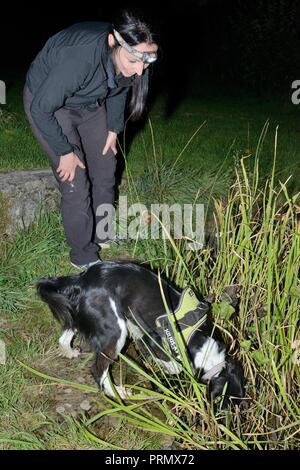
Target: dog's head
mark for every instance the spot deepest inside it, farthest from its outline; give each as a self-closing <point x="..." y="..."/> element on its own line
<point x="229" y="384"/>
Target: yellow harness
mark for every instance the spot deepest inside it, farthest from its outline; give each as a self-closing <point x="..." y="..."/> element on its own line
<point x="190" y="315"/>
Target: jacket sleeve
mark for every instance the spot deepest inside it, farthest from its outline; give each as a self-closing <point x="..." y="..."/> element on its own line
<point x="63" y="80"/>
<point x="115" y="108"/>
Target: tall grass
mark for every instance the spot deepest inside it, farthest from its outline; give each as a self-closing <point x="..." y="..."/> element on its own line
<point x="255" y="258"/>
<point x="250" y="272"/>
<point x="33" y="253"/>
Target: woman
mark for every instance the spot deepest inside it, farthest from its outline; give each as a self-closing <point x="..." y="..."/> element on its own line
<point x="75" y="96"/>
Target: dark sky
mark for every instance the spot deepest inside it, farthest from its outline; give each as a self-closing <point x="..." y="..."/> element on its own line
<point x="25" y="28"/>
<point x="212" y="39"/>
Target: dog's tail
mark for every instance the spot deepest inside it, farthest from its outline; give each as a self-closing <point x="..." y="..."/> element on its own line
<point x="61" y="297"/>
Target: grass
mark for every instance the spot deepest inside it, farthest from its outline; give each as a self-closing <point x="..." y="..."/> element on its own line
<point x="29" y="407"/>
<point x="230" y="125"/>
<point x="258" y="253"/>
<point x="249" y="270"/>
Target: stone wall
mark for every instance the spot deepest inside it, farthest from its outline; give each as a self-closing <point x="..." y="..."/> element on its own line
<point x="23" y="194"/>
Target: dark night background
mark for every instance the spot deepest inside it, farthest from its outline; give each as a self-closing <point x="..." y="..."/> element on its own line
<point x="232" y="45"/>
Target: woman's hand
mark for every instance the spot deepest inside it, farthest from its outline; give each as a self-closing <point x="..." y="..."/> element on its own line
<point x="67" y="166"/>
<point x="111" y="143"/>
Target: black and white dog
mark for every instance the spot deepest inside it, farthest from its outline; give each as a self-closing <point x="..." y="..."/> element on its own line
<point x="112" y="299"/>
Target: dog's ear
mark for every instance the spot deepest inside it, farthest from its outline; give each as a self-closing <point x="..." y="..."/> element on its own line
<point x="229" y="383"/>
<point x="235" y="377"/>
<point x="216" y="386"/>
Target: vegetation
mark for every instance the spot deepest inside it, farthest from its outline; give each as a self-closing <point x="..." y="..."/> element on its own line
<point x="248" y="269"/>
<point x="214" y="129"/>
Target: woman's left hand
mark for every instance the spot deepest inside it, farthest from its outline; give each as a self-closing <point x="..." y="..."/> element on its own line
<point x="111" y="143"/>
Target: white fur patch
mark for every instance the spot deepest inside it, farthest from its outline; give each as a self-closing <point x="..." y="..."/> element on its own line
<point x="104" y="381"/>
<point x="108" y="389"/>
<point x="209" y="355"/>
<point x="65" y="344"/>
<point x="122" y="325"/>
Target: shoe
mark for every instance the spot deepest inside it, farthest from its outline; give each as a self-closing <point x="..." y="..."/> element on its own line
<point x="84" y="267"/>
<point x="109" y="243"/>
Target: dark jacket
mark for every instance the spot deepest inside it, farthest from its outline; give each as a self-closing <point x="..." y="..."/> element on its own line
<point x="72" y="70"/>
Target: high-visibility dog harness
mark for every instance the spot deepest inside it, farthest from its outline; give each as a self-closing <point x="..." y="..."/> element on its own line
<point x="190" y="315"/>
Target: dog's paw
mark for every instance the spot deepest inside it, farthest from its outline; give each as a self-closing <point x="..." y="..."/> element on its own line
<point x="123" y="392"/>
<point x="70" y="353"/>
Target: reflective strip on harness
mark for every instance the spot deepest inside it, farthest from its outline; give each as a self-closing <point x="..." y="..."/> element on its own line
<point x="190" y="315"/>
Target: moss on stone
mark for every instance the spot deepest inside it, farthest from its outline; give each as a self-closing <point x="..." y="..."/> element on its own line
<point x="4" y="213"/>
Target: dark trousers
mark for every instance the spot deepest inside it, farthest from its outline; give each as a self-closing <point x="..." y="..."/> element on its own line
<point x="87" y="130"/>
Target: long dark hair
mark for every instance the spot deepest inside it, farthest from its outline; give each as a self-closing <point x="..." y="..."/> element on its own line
<point x="135" y="31"/>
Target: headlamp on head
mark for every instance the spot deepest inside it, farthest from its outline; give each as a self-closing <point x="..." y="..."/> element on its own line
<point x="146" y="57"/>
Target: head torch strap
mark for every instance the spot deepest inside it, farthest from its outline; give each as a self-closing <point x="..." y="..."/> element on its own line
<point x="147" y="57"/>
